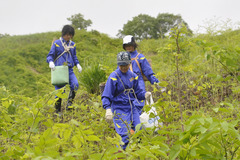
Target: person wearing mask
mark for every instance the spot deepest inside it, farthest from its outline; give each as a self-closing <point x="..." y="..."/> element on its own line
<point x="121" y="90"/>
<point x="63" y="50"/>
<point x="140" y="66"/>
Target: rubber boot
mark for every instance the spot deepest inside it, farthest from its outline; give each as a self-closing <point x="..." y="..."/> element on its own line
<point x="71" y="96"/>
<point x="58" y="105"/>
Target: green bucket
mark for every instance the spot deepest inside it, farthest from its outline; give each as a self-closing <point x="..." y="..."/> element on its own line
<point x="60" y="76"/>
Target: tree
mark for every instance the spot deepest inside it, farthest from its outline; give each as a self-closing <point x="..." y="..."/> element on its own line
<point x="141" y="27"/>
<point x="144" y="26"/>
<point x="78" y="22"/>
<point x="4" y="35"/>
<point x="166" y="21"/>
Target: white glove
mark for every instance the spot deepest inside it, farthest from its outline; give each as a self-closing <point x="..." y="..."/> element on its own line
<point x="52" y="65"/>
<point x="79" y="68"/>
<point x="109" y="115"/>
<point x="147" y="94"/>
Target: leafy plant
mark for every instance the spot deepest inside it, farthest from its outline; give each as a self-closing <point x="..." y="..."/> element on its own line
<point x="91" y="77"/>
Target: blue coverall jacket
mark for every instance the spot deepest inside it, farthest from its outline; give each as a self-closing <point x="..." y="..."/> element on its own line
<point x="147" y="71"/>
<point x="71" y="59"/>
<point x="121" y="101"/>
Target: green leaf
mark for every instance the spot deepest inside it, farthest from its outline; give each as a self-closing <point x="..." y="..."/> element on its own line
<point x="6" y="104"/>
<point x="201" y="120"/>
<point x="230" y="62"/>
<point x="92" y="138"/>
<point x="209" y="120"/>
<point x="152" y="115"/>
<point x="214" y="143"/>
<point x="215" y="109"/>
<point x="47" y="133"/>
<point x="224" y="126"/>
<point x="67" y="134"/>
<point x="234" y="133"/>
<point x="77" y="140"/>
<point x="96" y="156"/>
<point x="174" y="152"/>
<point x="229" y="104"/>
<point x="207" y="56"/>
<point x="238" y="77"/>
<point x="138" y="128"/>
<point x="205" y="147"/>
<point x="162" y="145"/>
<point x="219" y="78"/>
<point x="201" y="129"/>
<point x="226" y="110"/>
<point x="144" y="151"/>
<point x="7" y="118"/>
<point x="184" y="136"/>
<point x="73" y="121"/>
<point x="39" y="105"/>
<point x="159" y="152"/>
<point x="193" y="152"/>
<point x="205" y="136"/>
<point x="89" y="131"/>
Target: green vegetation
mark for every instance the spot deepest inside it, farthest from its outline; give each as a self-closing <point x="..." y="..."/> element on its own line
<point x="144" y="26"/>
<point x="24" y="69"/>
<point x="199" y="110"/>
<point x="78" y="22"/>
<point x="91" y="77"/>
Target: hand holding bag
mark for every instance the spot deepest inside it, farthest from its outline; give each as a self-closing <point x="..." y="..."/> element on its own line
<point x="146" y="120"/>
<point x="60" y="76"/>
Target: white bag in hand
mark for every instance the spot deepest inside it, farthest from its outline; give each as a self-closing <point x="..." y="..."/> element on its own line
<point x="150" y="122"/>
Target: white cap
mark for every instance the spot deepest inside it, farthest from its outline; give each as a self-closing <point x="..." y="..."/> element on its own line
<point x="127" y="39"/>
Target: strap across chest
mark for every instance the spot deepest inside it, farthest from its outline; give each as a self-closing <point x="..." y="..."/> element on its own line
<point x="135" y="59"/>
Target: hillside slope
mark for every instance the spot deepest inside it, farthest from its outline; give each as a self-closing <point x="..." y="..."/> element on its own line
<point x="24" y="69"/>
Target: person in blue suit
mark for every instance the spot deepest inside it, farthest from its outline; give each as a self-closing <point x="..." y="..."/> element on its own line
<point x="121" y="90"/>
<point x="63" y="50"/>
<point x="140" y="66"/>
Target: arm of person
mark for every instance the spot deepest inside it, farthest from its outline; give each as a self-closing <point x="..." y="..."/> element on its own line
<point x="137" y="89"/>
<point x="74" y="54"/>
<point x="107" y="97"/>
<point x="52" y="53"/>
<point x="147" y="70"/>
<point x="108" y="92"/>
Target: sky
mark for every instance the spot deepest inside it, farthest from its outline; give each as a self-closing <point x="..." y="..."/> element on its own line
<point x="21" y="17"/>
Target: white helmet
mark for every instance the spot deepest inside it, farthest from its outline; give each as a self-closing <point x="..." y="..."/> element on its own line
<point x="129" y="40"/>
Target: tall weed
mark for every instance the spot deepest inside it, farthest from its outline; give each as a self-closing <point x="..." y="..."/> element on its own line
<point x="91" y="77"/>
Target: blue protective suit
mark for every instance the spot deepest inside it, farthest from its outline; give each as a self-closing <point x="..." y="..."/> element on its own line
<point x="121" y="101"/>
<point x="71" y="58"/>
<point x="147" y="71"/>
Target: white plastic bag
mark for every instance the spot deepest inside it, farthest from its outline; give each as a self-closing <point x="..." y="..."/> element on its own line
<point x="150" y="122"/>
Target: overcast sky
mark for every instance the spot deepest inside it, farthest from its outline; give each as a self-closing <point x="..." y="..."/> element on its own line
<point x="20" y="17"/>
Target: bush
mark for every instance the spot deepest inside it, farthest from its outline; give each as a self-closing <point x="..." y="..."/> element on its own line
<point x="91" y="77"/>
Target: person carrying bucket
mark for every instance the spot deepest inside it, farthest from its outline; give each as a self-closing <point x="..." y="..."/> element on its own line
<point x="121" y="90"/>
<point x="63" y="50"/>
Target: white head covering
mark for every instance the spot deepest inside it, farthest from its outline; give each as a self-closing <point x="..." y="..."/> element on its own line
<point x="127" y="39"/>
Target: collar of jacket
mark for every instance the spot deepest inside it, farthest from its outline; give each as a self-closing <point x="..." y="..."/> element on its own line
<point x="134" y="54"/>
<point x="120" y="72"/>
<point x="64" y="41"/>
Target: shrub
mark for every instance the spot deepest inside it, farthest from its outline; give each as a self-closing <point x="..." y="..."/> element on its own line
<point x="91" y="77"/>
